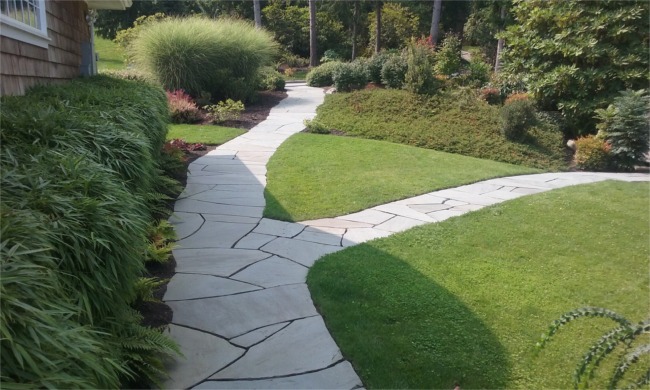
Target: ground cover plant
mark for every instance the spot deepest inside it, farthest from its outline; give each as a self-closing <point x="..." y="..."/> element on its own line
<point x="81" y="183"/>
<point x="465" y="301"/>
<point x="453" y="121"/>
<point x="313" y="176"/>
<point x="205" y="134"/>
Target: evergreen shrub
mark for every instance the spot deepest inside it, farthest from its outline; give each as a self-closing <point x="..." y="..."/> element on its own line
<point x="323" y="75"/>
<point x="349" y="76"/>
<point x="393" y="73"/>
<point x="80" y="165"/>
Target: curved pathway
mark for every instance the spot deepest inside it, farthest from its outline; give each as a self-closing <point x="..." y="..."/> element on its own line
<point x="243" y="315"/>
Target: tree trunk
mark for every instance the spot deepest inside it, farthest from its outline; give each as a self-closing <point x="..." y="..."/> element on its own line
<point x="258" y="13"/>
<point x="378" y="6"/>
<point x="435" y="21"/>
<point x="500" y="42"/>
<point x="313" y="49"/>
<point x="355" y="17"/>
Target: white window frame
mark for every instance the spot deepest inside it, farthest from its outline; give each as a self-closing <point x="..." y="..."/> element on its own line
<point x="15" y="29"/>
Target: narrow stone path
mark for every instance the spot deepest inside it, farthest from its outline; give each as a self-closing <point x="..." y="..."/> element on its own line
<point x="243" y="315"/>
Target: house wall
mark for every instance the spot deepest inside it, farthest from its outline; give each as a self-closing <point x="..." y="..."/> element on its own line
<point x="23" y="65"/>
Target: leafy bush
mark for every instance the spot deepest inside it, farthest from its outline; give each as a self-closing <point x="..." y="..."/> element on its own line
<point x="448" y="58"/>
<point x="80" y="163"/>
<point x="419" y="77"/>
<point x="592" y="154"/>
<point x="479" y="72"/>
<point x="398" y="25"/>
<point x="624" y="338"/>
<point x="375" y="64"/>
<point x="197" y="54"/>
<point x="124" y="38"/>
<point x="270" y="80"/>
<point x="516" y="118"/>
<point x="349" y="76"/>
<point x="330" y="55"/>
<point x="393" y="73"/>
<point x="293" y="60"/>
<point x="226" y="110"/>
<point x="625" y="126"/>
<point x="182" y="108"/>
<point x="515" y="97"/>
<point x="316" y="127"/>
<point x="322" y="76"/>
<point x="491" y="95"/>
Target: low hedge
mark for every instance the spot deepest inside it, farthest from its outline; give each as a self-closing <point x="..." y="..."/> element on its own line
<point x="79" y="165"/>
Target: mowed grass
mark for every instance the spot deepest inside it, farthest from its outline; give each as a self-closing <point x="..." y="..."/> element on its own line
<point x="313" y="176"/>
<point x="205" y="134"/>
<point x="466" y="300"/>
<point x="453" y="121"/>
<point x="111" y="55"/>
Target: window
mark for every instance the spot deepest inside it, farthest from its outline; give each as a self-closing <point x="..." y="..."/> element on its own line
<point x="24" y="20"/>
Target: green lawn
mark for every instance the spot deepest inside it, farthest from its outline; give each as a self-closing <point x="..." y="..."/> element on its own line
<point x="297" y="75"/>
<point x="111" y="56"/>
<point x="466" y="300"/>
<point x="313" y="176"/>
<point x="453" y="121"/>
<point x="205" y="134"/>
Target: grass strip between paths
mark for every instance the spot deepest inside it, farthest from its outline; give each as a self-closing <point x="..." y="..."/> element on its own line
<point x="466" y="300"/>
<point x="313" y="176"/>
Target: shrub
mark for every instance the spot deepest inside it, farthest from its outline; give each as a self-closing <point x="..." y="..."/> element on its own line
<point x="448" y="58"/>
<point x="349" y="76"/>
<point x="270" y="80"/>
<point x="293" y="60"/>
<point x="393" y="73"/>
<point x="398" y="25"/>
<point x="479" y="72"/>
<point x="624" y="124"/>
<point x="316" y="127"/>
<point x="516" y="97"/>
<point x="322" y="76"/>
<point x="419" y="77"/>
<point x="129" y="74"/>
<point x="592" y="154"/>
<point x="491" y="95"/>
<point x="80" y="162"/>
<point x="375" y="64"/>
<point x="124" y="38"/>
<point x="226" y="110"/>
<point x="516" y="118"/>
<point x="197" y="54"/>
<point x="182" y="108"/>
<point x="330" y="55"/>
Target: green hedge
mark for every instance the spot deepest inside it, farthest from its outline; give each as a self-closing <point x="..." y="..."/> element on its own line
<point x="80" y="163"/>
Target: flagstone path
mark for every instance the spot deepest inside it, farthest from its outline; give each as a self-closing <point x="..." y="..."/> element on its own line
<point x="243" y="315"/>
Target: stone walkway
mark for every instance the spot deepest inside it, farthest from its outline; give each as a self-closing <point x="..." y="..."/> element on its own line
<point x="243" y="315"/>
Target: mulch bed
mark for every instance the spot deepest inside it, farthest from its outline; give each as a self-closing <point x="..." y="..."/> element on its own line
<point x="158" y="314"/>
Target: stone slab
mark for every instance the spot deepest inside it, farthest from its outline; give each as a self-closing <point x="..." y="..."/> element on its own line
<point x="190" y="205"/>
<point x="186" y="224"/>
<point x="360" y="235"/>
<point x="468" y="198"/>
<point x="399" y="224"/>
<point x="428" y="208"/>
<point x="193" y="189"/>
<point x="254" y="241"/>
<point x="215" y="261"/>
<point x="446" y="214"/>
<point x="255" y="336"/>
<point x="403" y="210"/>
<point x="278" y="228"/>
<point x="304" y="345"/>
<point x="192" y="286"/>
<point x="204" y="354"/>
<point x="326" y="230"/>
<point x="340" y="376"/>
<point x="231" y="218"/>
<point x="335" y="223"/>
<point x="479" y="188"/>
<point x="370" y="216"/>
<point x="303" y="252"/>
<point x="234" y="315"/>
<point x="216" y="235"/>
<point x="225" y="179"/>
<point x="322" y="238"/>
<point x="272" y="272"/>
<point x="226" y="197"/>
<point x="505" y="195"/>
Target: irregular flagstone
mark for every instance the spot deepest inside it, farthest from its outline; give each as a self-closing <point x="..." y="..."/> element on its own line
<point x="241" y="169"/>
<point x="190" y="205"/>
<point x="335" y="223"/>
<point x="254" y="241"/>
<point x="231" y="218"/>
<point x="215" y="261"/>
<point x="193" y="189"/>
<point x="325" y="230"/>
<point x="228" y="198"/>
<point x="403" y="210"/>
<point x="233" y="315"/>
<point x="216" y="235"/>
<point x="446" y="214"/>
<point x="505" y="195"/>
<point x="304" y="345"/>
<point x="278" y="228"/>
<point x="274" y="271"/>
<point x="192" y="286"/>
<point x="428" y="208"/>
<point x="399" y="224"/>
<point x="359" y="235"/>
<point x="479" y="188"/>
<point x="255" y="336"/>
<point x="340" y="376"/>
<point x="203" y="354"/>
<point x="303" y="252"/>
<point x="224" y="179"/>
<point x="468" y="197"/>
<point x="373" y="217"/>
<point x="186" y="224"/>
<point x="322" y="238"/>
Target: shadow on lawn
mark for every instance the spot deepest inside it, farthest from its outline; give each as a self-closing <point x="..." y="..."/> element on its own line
<point x="399" y="328"/>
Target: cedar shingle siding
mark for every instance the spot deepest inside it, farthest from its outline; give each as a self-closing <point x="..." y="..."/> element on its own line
<point x="23" y="65"/>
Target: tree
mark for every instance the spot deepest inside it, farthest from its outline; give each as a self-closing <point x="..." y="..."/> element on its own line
<point x="501" y="41"/>
<point x="435" y="21"/>
<point x="397" y="26"/>
<point x="378" y="7"/>
<point x="313" y="48"/>
<point x="578" y="55"/>
<point x="257" y="13"/>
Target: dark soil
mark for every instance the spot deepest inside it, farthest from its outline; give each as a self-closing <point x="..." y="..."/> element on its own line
<point x="158" y="314"/>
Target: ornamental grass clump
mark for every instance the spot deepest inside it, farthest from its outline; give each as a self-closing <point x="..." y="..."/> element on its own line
<point x="197" y="54"/>
<point x="81" y="172"/>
